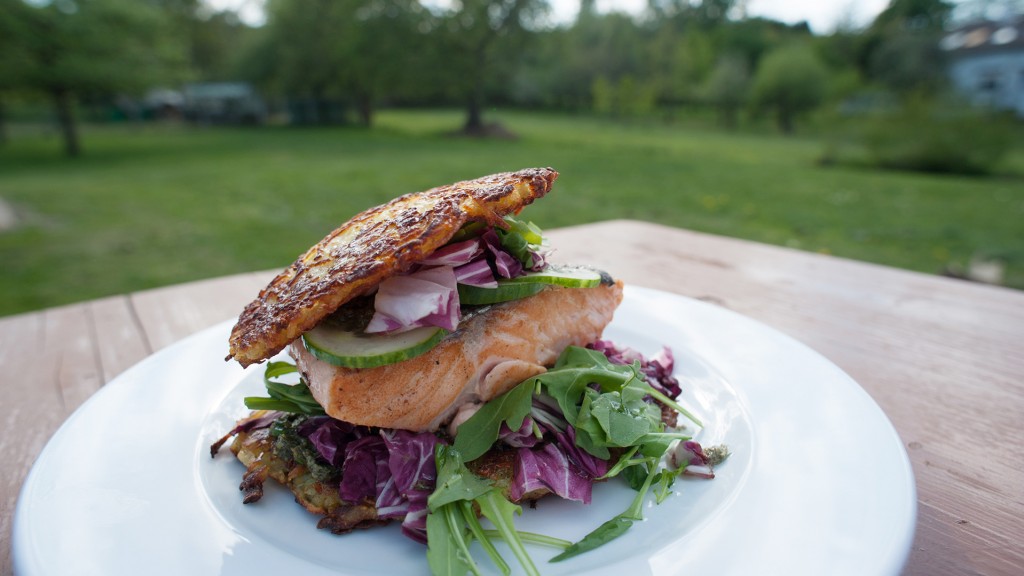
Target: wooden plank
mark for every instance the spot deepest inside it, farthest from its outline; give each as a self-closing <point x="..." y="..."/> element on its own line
<point x="33" y="408"/>
<point x="122" y="343"/>
<point x="69" y="343"/>
<point x="169" y="314"/>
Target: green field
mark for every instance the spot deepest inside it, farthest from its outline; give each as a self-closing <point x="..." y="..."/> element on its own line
<point x="154" y="205"/>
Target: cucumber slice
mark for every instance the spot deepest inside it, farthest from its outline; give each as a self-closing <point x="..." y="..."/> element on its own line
<point x="569" y="277"/>
<point x="357" y="350"/>
<point x="505" y="292"/>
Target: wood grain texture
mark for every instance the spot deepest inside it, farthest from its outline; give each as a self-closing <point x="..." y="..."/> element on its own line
<point x="942" y="357"/>
<point x="169" y="314"/>
<point x="123" y="342"/>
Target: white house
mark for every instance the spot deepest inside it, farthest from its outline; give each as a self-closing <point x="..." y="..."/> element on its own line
<point x="987" y="63"/>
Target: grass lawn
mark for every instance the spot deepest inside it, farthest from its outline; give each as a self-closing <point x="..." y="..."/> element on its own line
<point x="154" y="205"/>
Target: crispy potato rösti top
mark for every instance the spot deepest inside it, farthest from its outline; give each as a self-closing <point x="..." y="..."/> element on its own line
<point x="371" y="247"/>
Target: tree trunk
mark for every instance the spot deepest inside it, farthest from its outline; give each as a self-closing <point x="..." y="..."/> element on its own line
<point x="365" y="105"/>
<point x="475" y="104"/>
<point x="727" y="114"/>
<point x="785" y="119"/>
<point x="474" y="116"/>
<point x="3" y="123"/>
<point x="64" y="107"/>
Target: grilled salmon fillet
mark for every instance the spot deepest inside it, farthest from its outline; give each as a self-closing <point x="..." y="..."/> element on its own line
<point x="490" y="353"/>
<point x="374" y="245"/>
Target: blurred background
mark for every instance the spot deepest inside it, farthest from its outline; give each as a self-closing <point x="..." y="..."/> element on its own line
<point x="150" y="142"/>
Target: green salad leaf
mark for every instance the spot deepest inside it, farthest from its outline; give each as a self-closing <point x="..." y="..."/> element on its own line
<point x="452" y="522"/>
<point x="295" y="398"/>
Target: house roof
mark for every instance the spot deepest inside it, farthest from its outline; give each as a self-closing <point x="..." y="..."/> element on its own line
<point x="985" y="37"/>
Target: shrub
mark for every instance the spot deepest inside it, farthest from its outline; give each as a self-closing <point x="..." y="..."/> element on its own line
<point x="929" y="136"/>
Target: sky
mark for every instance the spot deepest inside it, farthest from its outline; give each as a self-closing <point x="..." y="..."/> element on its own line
<point x="823" y="16"/>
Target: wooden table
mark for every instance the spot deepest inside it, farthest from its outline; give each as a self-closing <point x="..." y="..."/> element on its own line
<point x="943" y="358"/>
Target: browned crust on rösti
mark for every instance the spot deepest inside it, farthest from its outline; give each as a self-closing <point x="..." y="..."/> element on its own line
<point x="371" y="247"/>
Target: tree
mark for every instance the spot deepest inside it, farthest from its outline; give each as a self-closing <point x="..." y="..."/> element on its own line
<point x="900" y="49"/>
<point x="77" y="48"/>
<point x="347" y="50"/>
<point x="727" y="88"/>
<point x="482" y="41"/>
<point x="790" y="80"/>
<point x="13" y="59"/>
<point x="598" y="49"/>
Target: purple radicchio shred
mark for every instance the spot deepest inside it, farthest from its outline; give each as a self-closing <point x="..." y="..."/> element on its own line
<point x="329" y="437"/>
<point x="539" y="261"/>
<point x="549" y="467"/>
<point x="547" y="415"/>
<point x="477" y="273"/>
<point x="657" y="370"/>
<point x="522" y="438"/>
<point x="257" y="423"/>
<point x="413" y="476"/>
<point x="591" y="465"/>
<point x="456" y="254"/>
<point x="427" y="297"/>
<point x="247" y="425"/>
<point x="365" y="469"/>
<point x="691" y="455"/>
<point x="554" y="462"/>
<point x="506" y="264"/>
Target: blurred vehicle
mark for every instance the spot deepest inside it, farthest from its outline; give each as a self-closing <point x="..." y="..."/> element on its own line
<point x="223" y="103"/>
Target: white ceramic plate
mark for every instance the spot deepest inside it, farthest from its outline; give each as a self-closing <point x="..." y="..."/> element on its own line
<point x="818" y="483"/>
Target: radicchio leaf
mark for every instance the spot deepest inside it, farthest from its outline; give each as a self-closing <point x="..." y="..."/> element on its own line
<point x="455" y="254"/>
<point x="414" y="474"/>
<point x="365" y="470"/>
<point x="427" y="297"/>
<point x="591" y="465"/>
<point x="549" y="467"/>
<point x="507" y="265"/>
<point x="477" y="273"/>
<point x="657" y="370"/>
<point x="690" y="454"/>
<point x="522" y="438"/>
<point x="329" y="437"/>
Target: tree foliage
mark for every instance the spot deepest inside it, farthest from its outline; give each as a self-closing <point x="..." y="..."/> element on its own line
<point x="791" y="80"/>
<point x="481" y="42"/>
<point x="727" y="88"/>
<point x="900" y="50"/>
<point x="72" y="49"/>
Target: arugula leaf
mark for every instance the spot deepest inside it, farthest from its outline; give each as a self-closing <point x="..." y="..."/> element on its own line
<point x="469" y="517"/>
<point x="604" y="533"/>
<point x="452" y="521"/>
<point x="528" y="230"/>
<point x="477" y="434"/>
<point x="520" y="240"/>
<point x="454" y="481"/>
<point x="625" y="461"/>
<point x="445" y="555"/>
<point x="275" y="369"/>
<point x="499" y="511"/>
<point x="534" y="538"/>
<point x="294" y="398"/>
